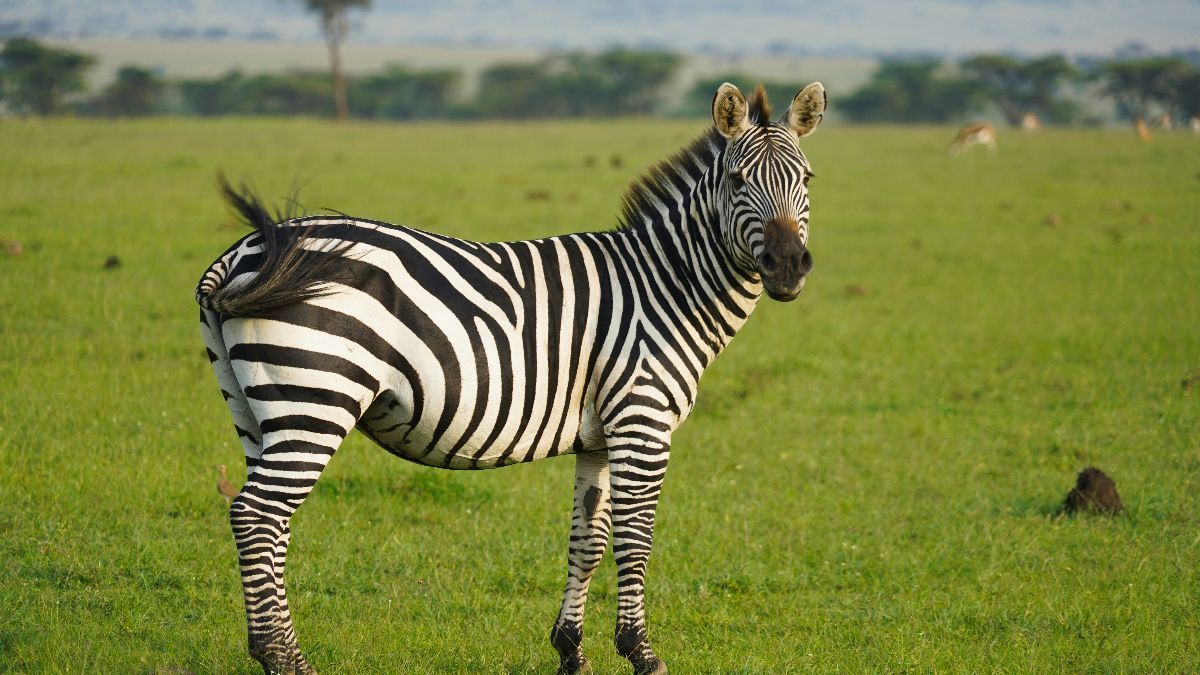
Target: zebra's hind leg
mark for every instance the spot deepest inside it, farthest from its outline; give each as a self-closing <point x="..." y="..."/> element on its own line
<point x="262" y="547"/>
<point x="303" y="414"/>
<point x="268" y="540"/>
<point x="591" y="519"/>
<point x="260" y="517"/>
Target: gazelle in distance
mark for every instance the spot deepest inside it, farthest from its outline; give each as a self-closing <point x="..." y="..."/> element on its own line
<point x="1143" y="131"/>
<point x="973" y="133"/>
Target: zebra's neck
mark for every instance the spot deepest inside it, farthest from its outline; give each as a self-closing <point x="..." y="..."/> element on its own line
<point x="672" y="220"/>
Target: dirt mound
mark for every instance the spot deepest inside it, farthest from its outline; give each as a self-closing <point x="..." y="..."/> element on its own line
<point x="1094" y="492"/>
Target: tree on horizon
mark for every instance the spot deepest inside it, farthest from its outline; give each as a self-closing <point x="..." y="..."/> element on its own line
<point x="1137" y="85"/>
<point x="334" y="27"/>
<point x="34" y="78"/>
<point x="1018" y="86"/>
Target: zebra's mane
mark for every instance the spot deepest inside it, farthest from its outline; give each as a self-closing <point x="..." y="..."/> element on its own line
<point x="760" y="109"/>
<point x="675" y="175"/>
<point x="679" y="171"/>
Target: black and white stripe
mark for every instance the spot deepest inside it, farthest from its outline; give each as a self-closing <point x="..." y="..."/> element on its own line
<point x="467" y="355"/>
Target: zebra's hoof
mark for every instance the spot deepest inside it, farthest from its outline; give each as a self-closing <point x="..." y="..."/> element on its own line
<point x="277" y="659"/>
<point x="287" y="669"/>
<point x="575" y="666"/>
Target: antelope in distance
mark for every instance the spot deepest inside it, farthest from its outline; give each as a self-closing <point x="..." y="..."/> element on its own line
<point x="973" y="133"/>
<point x="1142" y="130"/>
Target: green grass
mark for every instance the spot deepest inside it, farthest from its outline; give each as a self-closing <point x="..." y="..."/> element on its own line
<point x="867" y="484"/>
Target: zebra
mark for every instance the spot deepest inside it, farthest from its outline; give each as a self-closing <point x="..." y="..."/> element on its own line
<point x="465" y="355"/>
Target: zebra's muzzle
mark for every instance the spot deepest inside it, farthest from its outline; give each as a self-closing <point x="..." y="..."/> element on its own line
<point x="784" y="296"/>
<point x="784" y="261"/>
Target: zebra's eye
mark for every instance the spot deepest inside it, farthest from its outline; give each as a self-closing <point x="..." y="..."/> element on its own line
<point x="807" y="177"/>
<point x="736" y="179"/>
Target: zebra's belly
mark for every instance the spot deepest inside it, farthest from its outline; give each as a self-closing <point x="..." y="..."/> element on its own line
<point x="464" y="441"/>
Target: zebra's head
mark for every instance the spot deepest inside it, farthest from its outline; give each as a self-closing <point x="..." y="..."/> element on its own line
<point x="763" y="197"/>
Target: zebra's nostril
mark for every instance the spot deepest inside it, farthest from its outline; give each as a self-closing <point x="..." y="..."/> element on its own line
<point x="806" y="263"/>
<point x="766" y="263"/>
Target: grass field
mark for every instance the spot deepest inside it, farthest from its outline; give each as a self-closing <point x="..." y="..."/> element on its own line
<point x="868" y="482"/>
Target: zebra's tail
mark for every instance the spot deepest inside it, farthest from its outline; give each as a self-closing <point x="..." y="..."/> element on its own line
<point x="292" y="270"/>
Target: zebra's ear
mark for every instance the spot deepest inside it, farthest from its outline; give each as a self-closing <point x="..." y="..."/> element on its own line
<point x="807" y="110"/>
<point x="729" y="111"/>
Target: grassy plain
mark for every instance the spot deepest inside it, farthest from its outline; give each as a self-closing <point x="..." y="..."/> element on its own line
<point x="867" y="484"/>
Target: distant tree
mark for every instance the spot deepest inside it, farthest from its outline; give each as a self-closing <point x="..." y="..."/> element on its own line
<point x="1135" y="86"/>
<point x="912" y="91"/>
<point x="1175" y="87"/>
<point x="35" y="78"/>
<point x="335" y="26"/>
<point x="509" y="90"/>
<point x="400" y="93"/>
<point x="633" y="79"/>
<point x="293" y="93"/>
<point x="1003" y="80"/>
<point x="136" y="92"/>
<point x="219" y="96"/>
<point x="1017" y="87"/>
<point x="576" y="84"/>
<point x="1186" y="101"/>
<point x="1047" y="77"/>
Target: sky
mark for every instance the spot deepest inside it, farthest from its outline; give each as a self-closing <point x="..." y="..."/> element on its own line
<point x="952" y="27"/>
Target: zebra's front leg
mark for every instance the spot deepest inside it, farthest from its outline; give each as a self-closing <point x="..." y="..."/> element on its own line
<point x="637" y="467"/>
<point x="591" y="519"/>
